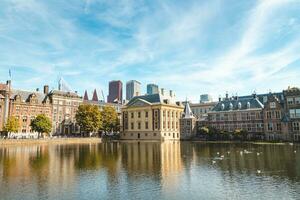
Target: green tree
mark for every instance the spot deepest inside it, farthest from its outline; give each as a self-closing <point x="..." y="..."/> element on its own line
<point x="41" y="124"/>
<point x="110" y="121"/>
<point x="88" y="118"/>
<point x="12" y="125"/>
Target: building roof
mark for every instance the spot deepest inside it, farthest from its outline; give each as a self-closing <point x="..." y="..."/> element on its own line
<point x="26" y="94"/>
<point x="238" y="104"/>
<point x="63" y="93"/>
<point x="187" y="113"/>
<point x="152" y="98"/>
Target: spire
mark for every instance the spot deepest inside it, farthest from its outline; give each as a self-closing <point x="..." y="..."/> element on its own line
<point x="187" y="111"/>
<point x="95" y="96"/>
<point x="86" y="97"/>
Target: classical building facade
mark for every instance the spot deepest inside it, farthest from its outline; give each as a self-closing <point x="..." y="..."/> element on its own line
<point x="64" y="106"/>
<point x="151" y="117"/>
<point x="235" y="113"/>
<point x="292" y="108"/>
<point x="188" y="126"/>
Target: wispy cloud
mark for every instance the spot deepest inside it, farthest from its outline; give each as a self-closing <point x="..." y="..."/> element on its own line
<point x="192" y="47"/>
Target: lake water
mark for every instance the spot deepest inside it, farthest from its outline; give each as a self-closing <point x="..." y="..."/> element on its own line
<point x="149" y="170"/>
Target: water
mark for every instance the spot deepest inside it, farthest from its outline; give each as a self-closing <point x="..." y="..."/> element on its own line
<point x="149" y="170"/>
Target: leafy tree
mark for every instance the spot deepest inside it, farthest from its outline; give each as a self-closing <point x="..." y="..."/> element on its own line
<point x="110" y="119"/>
<point x="41" y="124"/>
<point x="88" y="118"/>
<point x="12" y="125"/>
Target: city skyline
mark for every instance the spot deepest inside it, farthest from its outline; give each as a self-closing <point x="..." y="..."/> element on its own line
<point x="192" y="47"/>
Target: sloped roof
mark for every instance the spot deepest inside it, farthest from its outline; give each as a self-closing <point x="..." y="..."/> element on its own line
<point x="152" y="98"/>
<point x="58" y="92"/>
<point x="187" y="113"/>
<point x="3" y="86"/>
<point x="26" y="94"/>
<point x="233" y="104"/>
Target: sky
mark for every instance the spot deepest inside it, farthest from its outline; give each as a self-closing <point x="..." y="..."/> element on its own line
<point x="192" y="47"/>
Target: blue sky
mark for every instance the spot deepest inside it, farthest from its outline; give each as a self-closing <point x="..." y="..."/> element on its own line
<point x="192" y="47"/>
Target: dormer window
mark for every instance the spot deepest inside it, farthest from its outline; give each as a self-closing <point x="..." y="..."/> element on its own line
<point x="239" y="105"/>
<point x="248" y="105"/>
<point x="230" y="106"/>
<point x="222" y="106"/>
<point x="272" y="105"/>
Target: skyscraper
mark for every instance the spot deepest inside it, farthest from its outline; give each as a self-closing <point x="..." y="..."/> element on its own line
<point x="205" y="98"/>
<point x="115" y="92"/>
<point x="133" y="88"/>
<point x="152" y="89"/>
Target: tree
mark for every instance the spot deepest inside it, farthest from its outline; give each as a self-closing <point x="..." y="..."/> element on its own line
<point x="88" y="118"/>
<point x="110" y="121"/>
<point x="12" y="125"/>
<point x="41" y="124"/>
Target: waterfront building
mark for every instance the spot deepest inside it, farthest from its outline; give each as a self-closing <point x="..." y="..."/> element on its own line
<point x="188" y="127"/>
<point x="64" y="106"/>
<point x="133" y="88"/>
<point x="152" y="89"/>
<point x="26" y="105"/>
<point x="205" y="98"/>
<point x="200" y="110"/>
<point x="151" y="117"/>
<point x="292" y="108"/>
<point x="245" y="113"/>
<point x="4" y="102"/>
<point x="275" y="119"/>
<point x="115" y="92"/>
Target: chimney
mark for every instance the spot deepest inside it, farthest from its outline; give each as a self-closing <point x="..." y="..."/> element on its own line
<point x="171" y="93"/>
<point x="226" y="95"/>
<point x="46" y="89"/>
<point x="162" y="91"/>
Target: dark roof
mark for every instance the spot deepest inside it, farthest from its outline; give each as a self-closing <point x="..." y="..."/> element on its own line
<point x="26" y="94"/>
<point x="254" y="104"/>
<point x="285" y="118"/>
<point x="151" y="98"/>
<point x="62" y="93"/>
<point x="260" y="97"/>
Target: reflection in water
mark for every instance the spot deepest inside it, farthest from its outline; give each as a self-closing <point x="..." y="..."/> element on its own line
<point x="150" y="170"/>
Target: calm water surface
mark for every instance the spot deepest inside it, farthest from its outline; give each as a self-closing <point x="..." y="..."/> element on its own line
<point x="169" y="170"/>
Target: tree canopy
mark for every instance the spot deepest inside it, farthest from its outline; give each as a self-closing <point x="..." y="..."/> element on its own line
<point x="88" y="117"/>
<point x="12" y="125"/>
<point x="41" y="124"/>
<point x="110" y="121"/>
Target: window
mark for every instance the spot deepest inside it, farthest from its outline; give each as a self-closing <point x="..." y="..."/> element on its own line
<point x="132" y="115"/>
<point x="295" y="113"/>
<point x="278" y="127"/>
<point x="277" y="115"/>
<point x="154" y="134"/>
<point x="272" y="105"/>
<point x="269" y="115"/>
<point x="139" y="114"/>
<point x="296" y="126"/>
<point x="146" y="114"/>
<point x="132" y="125"/>
<point x="290" y="101"/>
<point x="270" y="127"/>
<point x="24" y="118"/>
<point x="146" y="134"/>
<point x="146" y="125"/>
<point x="297" y="100"/>
<point x="139" y="125"/>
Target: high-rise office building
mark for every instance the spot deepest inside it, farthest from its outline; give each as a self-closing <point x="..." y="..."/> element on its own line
<point x="152" y="89"/>
<point x="115" y="92"/>
<point x="205" y="98"/>
<point x="133" y="88"/>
